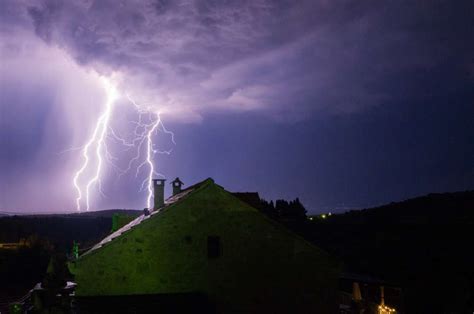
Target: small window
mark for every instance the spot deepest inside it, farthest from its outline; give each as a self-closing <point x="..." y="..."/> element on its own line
<point x="214" y="249"/>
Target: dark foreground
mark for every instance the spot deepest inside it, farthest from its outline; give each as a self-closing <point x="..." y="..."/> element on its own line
<point x="421" y="245"/>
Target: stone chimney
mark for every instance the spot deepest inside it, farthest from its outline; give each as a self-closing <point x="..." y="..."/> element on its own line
<point x="177" y="186"/>
<point x="159" y="193"/>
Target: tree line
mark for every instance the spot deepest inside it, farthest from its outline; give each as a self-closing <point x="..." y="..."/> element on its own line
<point x="283" y="210"/>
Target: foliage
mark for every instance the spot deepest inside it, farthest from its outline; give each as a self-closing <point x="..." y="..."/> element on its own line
<point x="283" y="211"/>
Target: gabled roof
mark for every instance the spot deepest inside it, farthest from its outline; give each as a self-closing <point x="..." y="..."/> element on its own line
<point x="137" y="221"/>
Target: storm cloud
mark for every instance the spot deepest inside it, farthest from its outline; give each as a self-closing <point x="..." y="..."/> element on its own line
<point x="283" y="62"/>
<point x="288" y="58"/>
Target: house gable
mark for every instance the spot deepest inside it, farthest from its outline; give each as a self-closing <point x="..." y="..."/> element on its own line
<point x="169" y="253"/>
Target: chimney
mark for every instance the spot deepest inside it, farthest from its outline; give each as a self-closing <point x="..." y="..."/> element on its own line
<point x="177" y="186"/>
<point x="159" y="196"/>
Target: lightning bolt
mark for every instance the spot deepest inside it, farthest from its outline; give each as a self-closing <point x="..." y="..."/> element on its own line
<point x="96" y="141"/>
<point x="146" y="135"/>
<point x="149" y="153"/>
<point x="148" y="124"/>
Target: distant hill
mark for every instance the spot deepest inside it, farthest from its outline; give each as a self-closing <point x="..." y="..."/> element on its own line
<point x="457" y="207"/>
<point x="109" y="212"/>
<point x="61" y="229"/>
<point x="21" y="269"/>
<point x="422" y="244"/>
<point x="5" y="213"/>
<point x="97" y="213"/>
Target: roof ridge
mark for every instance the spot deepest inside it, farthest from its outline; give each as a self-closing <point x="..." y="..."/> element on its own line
<point x="137" y="221"/>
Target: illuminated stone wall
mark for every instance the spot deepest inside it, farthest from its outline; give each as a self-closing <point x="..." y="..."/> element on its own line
<point x="259" y="260"/>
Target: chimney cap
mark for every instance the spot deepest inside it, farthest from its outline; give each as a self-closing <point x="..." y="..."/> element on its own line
<point x="161" y="180"/>
<point x="177" y="180"/>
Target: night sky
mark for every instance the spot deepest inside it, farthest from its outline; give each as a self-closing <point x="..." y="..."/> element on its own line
<point x="344" y="104"/>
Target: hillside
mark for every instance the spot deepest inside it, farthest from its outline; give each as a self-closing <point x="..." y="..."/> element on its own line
<point x="439" y="208"/>
<point x="60" y="229"/>
<point x="45" y="235"/>
<point x="423" y="245"/>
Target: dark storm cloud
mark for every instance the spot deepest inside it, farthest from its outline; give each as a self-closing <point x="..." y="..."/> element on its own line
<point x="287" y="58"/>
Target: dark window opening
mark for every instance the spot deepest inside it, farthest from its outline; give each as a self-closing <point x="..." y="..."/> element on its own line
<point x="214" y="249"/>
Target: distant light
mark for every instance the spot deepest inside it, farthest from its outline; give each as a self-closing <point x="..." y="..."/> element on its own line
<point x="310" y="218"/>
<point x="323" y="216"/>
<point x="329" y="214"/>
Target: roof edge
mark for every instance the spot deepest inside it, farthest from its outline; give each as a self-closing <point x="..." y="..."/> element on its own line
<point x="124" y="229"/>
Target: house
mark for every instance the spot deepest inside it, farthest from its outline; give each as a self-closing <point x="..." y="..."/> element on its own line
<point x="205" y="250"/>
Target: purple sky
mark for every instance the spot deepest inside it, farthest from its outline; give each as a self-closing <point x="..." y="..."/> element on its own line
<point x="341" y="103"/>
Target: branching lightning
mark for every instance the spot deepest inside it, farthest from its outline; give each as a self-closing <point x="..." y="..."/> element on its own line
<point x="148" y="124"/>
<point x="149" y="153"/>
<point x="97" y="140"/>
